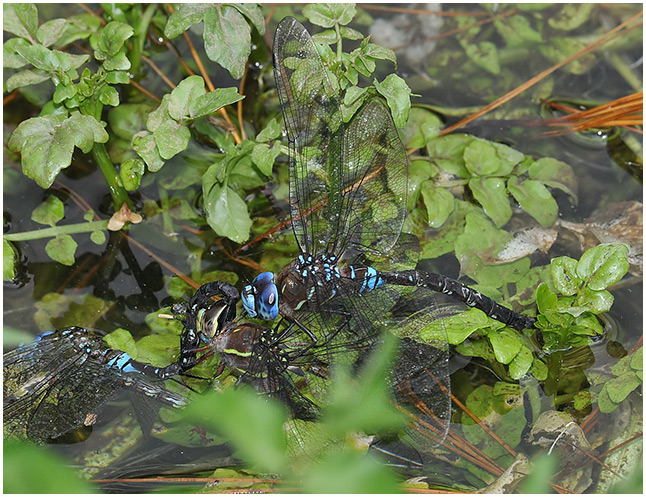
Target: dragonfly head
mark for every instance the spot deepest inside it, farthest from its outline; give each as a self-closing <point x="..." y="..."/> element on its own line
<point x="261" y="297"/>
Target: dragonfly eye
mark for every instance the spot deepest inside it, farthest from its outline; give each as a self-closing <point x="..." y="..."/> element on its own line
<point x="261" y="297"/>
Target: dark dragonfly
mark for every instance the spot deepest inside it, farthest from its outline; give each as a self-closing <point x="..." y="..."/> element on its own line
<point x="56" y="384"/>
<point x="297" y="373"/>
<point x="348" y="187"/>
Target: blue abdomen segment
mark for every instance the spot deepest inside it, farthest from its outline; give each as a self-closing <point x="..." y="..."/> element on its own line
<point x="371" y="280"/>
<point x="122" y="362"/>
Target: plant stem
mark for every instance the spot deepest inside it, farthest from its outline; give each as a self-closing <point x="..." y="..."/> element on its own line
<point x="57" y="230"/>
<point x="119" y="195"/>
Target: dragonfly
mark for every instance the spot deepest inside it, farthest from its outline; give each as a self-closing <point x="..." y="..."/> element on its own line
<point x="347" y="189"/>
<point x="56" y="384"/>
<point x="297" y="373"/>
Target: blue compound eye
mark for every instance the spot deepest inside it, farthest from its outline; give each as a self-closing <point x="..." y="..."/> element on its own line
<point x="261" y="297"/>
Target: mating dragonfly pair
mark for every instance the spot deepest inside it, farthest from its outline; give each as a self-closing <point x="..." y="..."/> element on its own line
<point x="354" y="277"/>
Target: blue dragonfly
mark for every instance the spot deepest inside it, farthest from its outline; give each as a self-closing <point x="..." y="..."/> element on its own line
<point x="57" y="384"/>
<point x="348" y="187"/>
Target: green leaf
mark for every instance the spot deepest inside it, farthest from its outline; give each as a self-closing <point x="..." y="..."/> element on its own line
<point x="521" y="363"/>
<point x="505" y="344"/>
<point x="619" y="388"/>
<point x="8" y="261"/>
<point x="458" y="327"/>
<point x="171" y="138"/>
<point x="20" y="19"/>
<point x="97" y="237"/>
<point x="539" y="370"/>
<point x="210" y="103"/>
<point x="252" y="12"/>
<point x="49" y="212"/>
<point x="486" y="158"/>
<point x="397" y="94"/>
<point x="328" y="15"/>
<point x="264" y="157"/>
<point x="571" y="16"/>
<point x="379" y="52"/>
<point x="112" y="38"/>
<point x="49" y="32"/>
<point x="130" y="174"/>
<point x="439" y="203"/>
<point x="79" y="27"/>
<point x="46" y="143"/>
<point x="184" y="17"/>
<point x="226" y="27"/>
<point x="226" y="212"/>
<point x="62" y="249"/>
<point x="145" y="145"/>
<point x="517" y="30"/>
<point x="183" y="96"/>
<point x="603" y="400"/>
<point x="492" y="195"/>
<point x="422" y="126"/>
<point x="484" y="55"/>
<point x="252" y="423"/>
<point x="535" y="199"/>
<point x="127" y="120"/>
<point x="64" y="92"/>
<point x="603" y="265"/>
<point x="25" y="78"/>
<point x="271" y="131"/>
<point x="596" y="302"/>
<point x="564" y="277"/>
<point x="561" y="47"/>
<point x="117" y="63"/>
<point x="555" y="174"/>
<point x="448" y="153"/>
<point x="121" y="339"/>
<point x="117" y="77"/>
<point x="52" y="61"/>
<point x="19" y="459"/>
<point x="109" y="96"/>
<point x="11" y="58"/>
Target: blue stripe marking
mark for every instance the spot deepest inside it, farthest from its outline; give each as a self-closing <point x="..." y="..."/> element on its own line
<point x="122" y="362"/>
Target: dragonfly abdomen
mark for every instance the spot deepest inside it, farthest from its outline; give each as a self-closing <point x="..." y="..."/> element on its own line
<point x="462" y="292"/>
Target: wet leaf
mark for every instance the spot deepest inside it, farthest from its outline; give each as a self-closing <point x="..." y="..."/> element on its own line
<point x="535" y="199"/>
<point x="97" y="237"/>
<point x="254" y="14"/>
<point x="555" y="174"/>
<point x="506" y="345"/>
<point x="130" y="173"/>
<point x="619" y="388"/>
<point x="439" y="203"/>
<point x="521" y="363"/>
<point x="421" y="127"/>
<point x="517" y="31"/>
<point x="596" y="302"/>
<point x="49" y="212"/>
<point x="122" y="216"/>
<point x="448" y="153"/>
<point x="564" y="276"/>
<point x="492" y="195"/>
<point x="484" y="55"/>
<point x="458" y="327"/>
<point x="226" y="212"/>
<point x="485" y="158"/>
<point x="603" y="265"/>
<point x="51" y="61"/>
<point x="272" y="130"/>
<point x="126" y="120"/>
<point x="560" y="48"/>
<point x="397" y="94"/>
<point x="62" y="249"/>
<point x="539" y="370"/>
<point x="46" y="143"/>
<point x="545" y="298"/>
<point x="327" y="15"/>
<point x="8" y="261"/>
<point x="183" y="95"/>
<point x="11" y="58"/>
